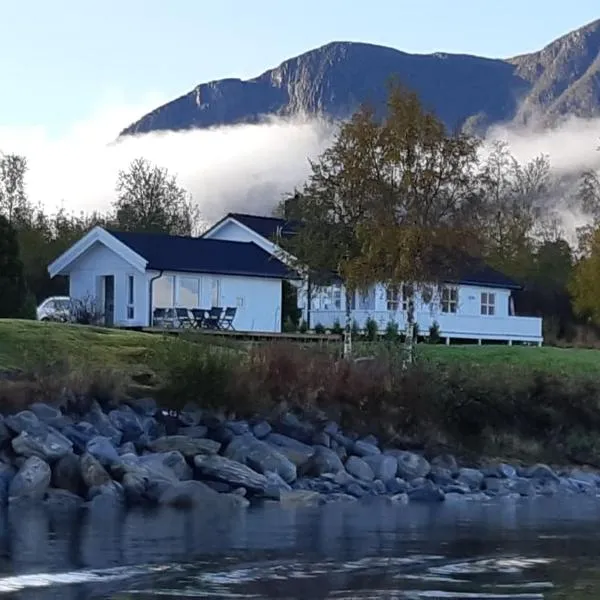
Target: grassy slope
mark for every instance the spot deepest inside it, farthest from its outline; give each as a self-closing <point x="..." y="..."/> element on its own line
<point x="29" y="340"/>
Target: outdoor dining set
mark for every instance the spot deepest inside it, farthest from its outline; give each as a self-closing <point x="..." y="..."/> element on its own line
<point x="195" y="318"/>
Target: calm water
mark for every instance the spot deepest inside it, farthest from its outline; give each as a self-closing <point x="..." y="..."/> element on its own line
<point x="541" y="549"/>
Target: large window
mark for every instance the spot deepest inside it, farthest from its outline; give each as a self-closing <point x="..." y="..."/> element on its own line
<point x="449" y="299"/>
<point x="488" y="303"/>
<point x="392" y="297"/>
<point x="336" y="297"/>
<point x="188" y="292"/>
<point x="216" y="292"/>
<point x="163" y="292"/>
<point x="130" y="297"/>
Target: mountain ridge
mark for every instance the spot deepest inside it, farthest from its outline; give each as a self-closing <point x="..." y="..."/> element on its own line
<point x="466" y="91"/>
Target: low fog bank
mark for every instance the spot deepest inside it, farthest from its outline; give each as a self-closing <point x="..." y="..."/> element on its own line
<point x="248" y="168"/>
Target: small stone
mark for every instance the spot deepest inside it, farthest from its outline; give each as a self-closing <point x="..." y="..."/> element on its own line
<point x="261" y="430"/>
<point x="102" y="450"/>
<point x="363" y="448"/>
<point x="92" y="472"/>
<point x="358" y="468"/>
<point x="412" y="466"/>
<point x="473" y="478"/>
<point x="428" y="492"/>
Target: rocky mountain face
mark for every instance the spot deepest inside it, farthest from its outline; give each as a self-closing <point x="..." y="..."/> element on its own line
<point x="464" y="91"/>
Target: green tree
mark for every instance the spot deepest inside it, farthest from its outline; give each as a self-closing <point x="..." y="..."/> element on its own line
<point x="390" y="201"/>
<point x="585" y="283"/>
<point x="14" y="204"/>
<point x="150" y="199"/>
<point x="13" y="290"/>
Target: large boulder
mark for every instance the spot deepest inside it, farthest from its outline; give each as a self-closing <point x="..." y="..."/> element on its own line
<point x="101" y="448"/>
<point x="188" y="446"/>
<point x="103" y="424"/>
<point x="50" y="415"/>
<point x="66" y="474"/>
<point x="384" y="467"/>
<point x="290" y="425"/>
<point x="223" y="469"/>
<point x="297" y="452"/>
<point x="166" y="465"/>
<point x="25" y="420"/>
<point x="94" y="475"/>
<point x="412" y="466"/>
<point x="195" y="494"/>
<point x="358" y="468"/>
<point x="261" y="457"/>
<point x="32" y="480"/>
<point x="365" y="448"/>
<point x="127" y="422"/>
<point x="323" y="461"/>
<point x="80" y="434"/>
<point x="46" y="443"/>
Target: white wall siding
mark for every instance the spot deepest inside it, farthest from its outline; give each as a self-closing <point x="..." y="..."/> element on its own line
<point x="258" y="299"/>
<point x="86" y="281"/>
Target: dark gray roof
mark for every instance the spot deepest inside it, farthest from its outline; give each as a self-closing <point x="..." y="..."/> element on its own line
<point x="199" y="255"/>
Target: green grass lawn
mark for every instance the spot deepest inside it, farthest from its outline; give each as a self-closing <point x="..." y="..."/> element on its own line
<point x="23" y="341"/>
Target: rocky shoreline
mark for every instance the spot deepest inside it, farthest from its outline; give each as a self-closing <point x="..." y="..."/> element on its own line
<point x="136" y="454"/>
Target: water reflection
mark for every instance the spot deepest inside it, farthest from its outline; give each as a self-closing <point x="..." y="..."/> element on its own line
<point x="539" y="548"/>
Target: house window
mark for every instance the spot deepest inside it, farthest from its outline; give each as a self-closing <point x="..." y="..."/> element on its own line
<point x="130" y="297"/>
<point x="162" y="292"/>
<point x="392" y="298"/>
<point x="427" y="294"/>
<point x="188" y="292"/>
<point x="488" y="303"/>
<point x="216" y="292"/>
<point x="407" y="292"/>
<point x="449" y="299"/>
<point x="336" y="297"/>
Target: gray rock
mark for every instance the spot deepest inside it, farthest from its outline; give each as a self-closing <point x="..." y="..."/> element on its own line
<point x="153" y="430"/>
<point x="290" y="425"/>
<point x="238" y="427"/>
<point x="540" y="472"/>
<point x="441" y="475"/>
<point x="457" y="489"/>
<point x="548" y="487"/>
<point x="188" y="446"/>
<point x="363" y="448"/>
<point x="80" y="434"/>
<point x="446" y="462"/>
<point x="339" y="497"/>
<point x="358" y="468"/>
<point x="496" y="486"/>
<point x="127" y="422"/>
<point x="94" y="475"/>
<point x="49" y="415"/>
<point x="66" y="474"/>
<point x="501" y="470"/>
<point x="399" y="498"/>
<point x="585" y="477"/>
<point x="60" y="500"/>
<point x="127" y="448"/>
<point x="32" y="480"/>
<point x="5" y="433"/>
<point x="103" y="451"/>
<point x="320" y="438"/>
<point x="343" y="478"/>
<point x="275" y="485"/>
<point x="384" y="467"/>
<point x="295" y="451"/>
<point x="49" y="445"/>
<point x="324" y="460"/>
<point x="103" y="425"/>
<point x="229" y="471"/>
<point x="470" y="477"/>
<point x="379" y="487"/>
<point x="396" y="486"/>
<point x="428" y="492"/>
<point x="261" y="457"/>
<point x="134" y="487"/>
<point x="166" y="465"/>
<point x="261" y="430"/>
<point x="106" y="498"/>
<point x="190" y="415"/>
<point x="196" y="432"/>
<point x="355" y="490"/>
<point x="412" y="466"/>
<point x="25" y="420"/>
<point x="342" y="440"/>
<point x="524" y="487"/>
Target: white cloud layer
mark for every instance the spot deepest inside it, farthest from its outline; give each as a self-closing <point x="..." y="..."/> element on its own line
<point x="245" y="168"/>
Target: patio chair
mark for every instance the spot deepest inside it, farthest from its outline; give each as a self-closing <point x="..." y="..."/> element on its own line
<point x="227" y="319"/>
<point x="158" y="317"/>
<point x="198" y="317"/>
<point x="183" y="317"/>
<point x="213" y="319"/>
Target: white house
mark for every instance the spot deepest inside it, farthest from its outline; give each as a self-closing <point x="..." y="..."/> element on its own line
<point x="129" y="275"/>
<point x="477" y="306"/>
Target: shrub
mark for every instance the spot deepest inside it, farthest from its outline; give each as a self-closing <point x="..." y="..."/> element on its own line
<point x="434" y="333"/>
<point x="392" y="332"/>
<point x="319" y="329"/>
<point x="337" y="328"/>
<point x="288" y="325"/>
<point x="371" y="329"/>
<point x="303" y="328"/>
<point x="85" y="311"/>
<point x="355" y="330"/>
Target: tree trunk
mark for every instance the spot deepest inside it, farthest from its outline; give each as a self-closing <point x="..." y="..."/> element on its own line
<point x="410" y="331"/>
<point x="347" y="353"/>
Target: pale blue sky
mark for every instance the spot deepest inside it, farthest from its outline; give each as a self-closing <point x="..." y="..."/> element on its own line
<point x="61" y="58"/>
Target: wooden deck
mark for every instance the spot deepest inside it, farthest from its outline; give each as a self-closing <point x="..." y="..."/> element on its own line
<point x="247" y="335"/>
